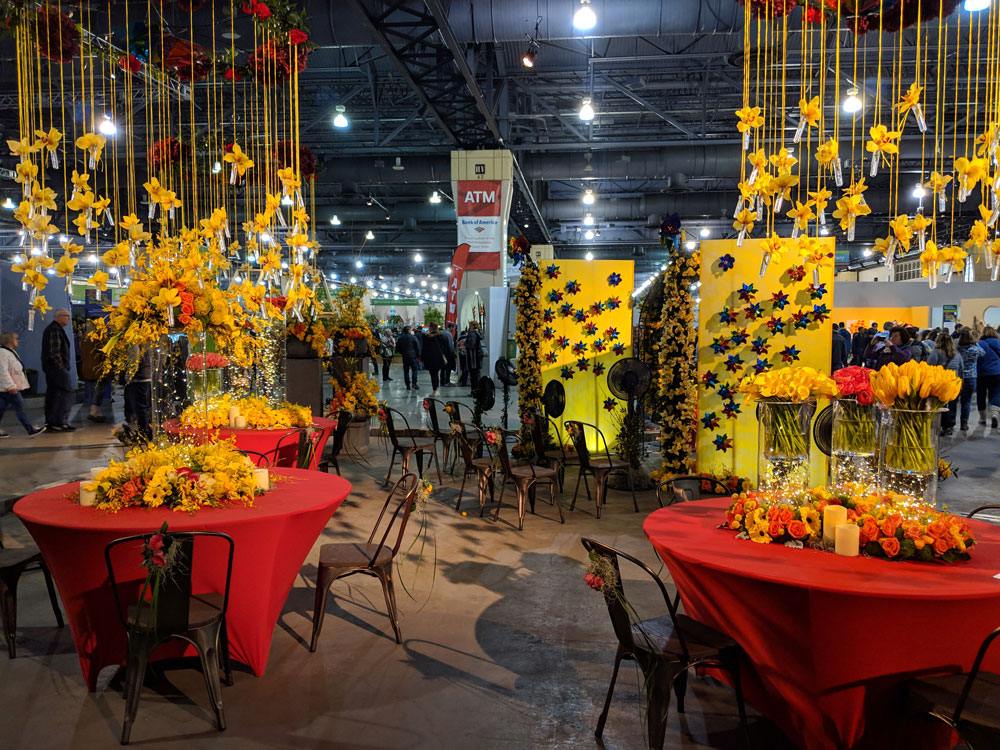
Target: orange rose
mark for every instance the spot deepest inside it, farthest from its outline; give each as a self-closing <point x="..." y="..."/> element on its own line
<point x="775" y="529"/>
<point x="890" y="545"/>
<point x="912" y="530"/>
<point x="785" y="515"/>
<point x="184" y="318"/>
<point x="797" y="529"/>
<point x="772" y="513"/>
<point x="941" y="545"/>
<point x="890" y="524"/>
<point x="869" y="530"/>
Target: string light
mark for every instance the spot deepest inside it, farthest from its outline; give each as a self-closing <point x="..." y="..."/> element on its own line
<point x="369" y="235"/>
<point x="335" y="220"/>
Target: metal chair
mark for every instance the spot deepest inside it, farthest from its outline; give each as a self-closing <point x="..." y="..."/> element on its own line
<point x="526" y="478"/>
<point x="689" y="487"/>
<point x="544" y="455"/>
<point x="481" y="467"/>
<point x="969" y="703"/>
<point x="599" y="467"/>
<point x="260" y="460"/>
<point x="14" y="562"/>
<point x="665" y="648"/>
<point x="199" y="619"/>
<point x="982" y="509"/>
<point x="407" y="451"/>
<point x="343" y="559"/>
<point x="287" y="450"/>
<point x="454" y="411"/>
<point x="445" y="437"/>
<point x="340" y="431"/>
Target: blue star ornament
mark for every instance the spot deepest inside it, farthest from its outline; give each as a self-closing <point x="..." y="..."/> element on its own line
<point x="722" y="442"/>
<point x="709" y="420"/>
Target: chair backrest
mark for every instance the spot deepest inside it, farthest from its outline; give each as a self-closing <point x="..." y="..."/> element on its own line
<point x="537" y="435"/>
<point x="973" y="674"/>
<point x="286" y="451"/>
<point x="984" y="509"/>
<point x="614" y="597"/>
<point x="578" y="437"/>
<point x="174" y="594"/>
<point x="397" y="505"/>
<point x="690" y="487"/>
<point x="260" y="460"/>
<point x="456" y="412"/>
<point x="343" y="422"/>
<point x="431" y="405"/>
<point x="504" y="454"/>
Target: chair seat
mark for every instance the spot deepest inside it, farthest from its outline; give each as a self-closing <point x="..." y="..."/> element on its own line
<point x="541" y="472"/>
<point x="606" y="463"/>
<point x="203" y="609"/>
<point x="418" y="447"/>
<point x="14" y="557"/>
<point x="940" y="695"/>
<point x="702" y="641"/>
<point x="482" y="463"/>
<point x="352" y="555"/>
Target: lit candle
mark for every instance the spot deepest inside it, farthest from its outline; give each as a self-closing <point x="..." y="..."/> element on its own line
<point x="833" y="516"/>
<point x="88" y="494"/>
<point x="234" y="412"/>
<point x="240" y="423"/>
<point x="263" y="479"/>
<point x="848" y="539"/>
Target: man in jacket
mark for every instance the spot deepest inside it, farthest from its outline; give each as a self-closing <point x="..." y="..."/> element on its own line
<point x="433" y="354"/>
<point x="386" y="350"/>
<point x="838" y="352"/>
<point x="409" y="350"/>
<point x="474" y="355"/>
<point x="448" y="339"/>
<point x="859" y="343"/>
<point x="139" y="397"/>
<point x="12" y="382"/>
<point x="55" y="364"/>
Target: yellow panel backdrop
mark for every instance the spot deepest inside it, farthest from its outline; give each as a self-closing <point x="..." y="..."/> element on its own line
<point x="588" y="327"/>
<point x="745" y="322"/>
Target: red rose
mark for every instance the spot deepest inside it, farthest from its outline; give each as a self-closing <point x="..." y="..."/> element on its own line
<point x="797" y="529"/>
<point x="159" y="560"/>
<point x="156" y="542"/>
<point x="297" y="36"/>
<point x="785" y="515"/>
<point x="262" y="11"/>
<point x="869" y="531"/>
<point x="130" y="63"/>
<point x="775" y="529"/>
<point x="232" y="74"/>
<point x="813" y="15"/>
<point x="247" y="8"/>
<point x="890" y="546"/>
<point x="426" y="404"/>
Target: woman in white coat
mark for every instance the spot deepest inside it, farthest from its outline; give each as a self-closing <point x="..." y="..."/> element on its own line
<point x="12" y="382"/>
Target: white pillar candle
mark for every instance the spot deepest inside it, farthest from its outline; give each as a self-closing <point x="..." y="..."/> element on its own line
<point x="833" y="516"/>
<point x="88" y="496"/>
<point x="263" y="479"/>
<point x="240" y="423"/>
<point x="848" y="539"/>
<point x="95" y="471"/>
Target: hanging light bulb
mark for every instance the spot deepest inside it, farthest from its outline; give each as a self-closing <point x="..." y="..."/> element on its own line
<point x="410" y="279"/>
<point x="9" y="204"/>
<point x="588" y="255"/>
<point x="584" y="19"/>
<point x="589" y="234"/>
<point x="335" y="220"/>
<point x="354" y="279"/>
<point x="369" y="235"/>
<point x="588" y="197"/>
<point x="340" y="119"/>
<point x="287" y="201"/>
<point x="359" y="264"/>
<point x="107" y="126"/>
<point x="435" y="197"/>
<point x="418" y="258"/>
<point x="919" y="191"/>
<point x="588" y="219"/>
<point x="586" y="110"/>
<point x="530" y="55"/>
<point x="852" y="102"/>
<point x="705" y="232"/>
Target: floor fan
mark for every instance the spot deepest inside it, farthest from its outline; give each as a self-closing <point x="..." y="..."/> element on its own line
<point x="507" y="375"/>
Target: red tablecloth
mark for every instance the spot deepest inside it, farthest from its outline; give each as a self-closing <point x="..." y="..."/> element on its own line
<point x="830" y="639"/>
<point x="271" y="541"/>
<point x="260" y="441"/>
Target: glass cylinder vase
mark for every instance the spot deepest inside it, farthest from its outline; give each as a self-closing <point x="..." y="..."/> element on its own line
<point x="206" y="383"/>
<point x="854" y="446"/>
<point x="908" y="454"/>
<point x="783" y="444"/>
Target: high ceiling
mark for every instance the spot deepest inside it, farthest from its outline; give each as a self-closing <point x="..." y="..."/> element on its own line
<point x="419" y="78"/>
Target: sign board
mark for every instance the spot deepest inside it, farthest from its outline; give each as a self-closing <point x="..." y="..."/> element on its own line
<point x="390" y="302"/>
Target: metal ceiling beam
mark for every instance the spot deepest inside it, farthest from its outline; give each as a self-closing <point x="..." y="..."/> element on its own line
<point x="648" y="106"/>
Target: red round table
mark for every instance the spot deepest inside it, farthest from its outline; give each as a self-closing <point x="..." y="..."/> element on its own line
<point x="259" y="441"/>
<point x="271" y="539"/>
<point x="830" y="639"/>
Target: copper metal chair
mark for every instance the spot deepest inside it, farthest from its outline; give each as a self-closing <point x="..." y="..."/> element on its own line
<point x="526" y="478"/>
<point x="337" y="445"/>
<point x="689" y="487"/>
<point x="343" y="559"/>
<point x="199" y="619"/>
<point x="455" y="417"/>
<point x="470" y="442"/>
<point x="599" y="467"/>
<point x="969" y="703"/>
<point x="288" y="449"/>
<point x="665" y="648"/>
<point x="14" y="562"/>
<point x="983" y="509"/>
<point x="260" y="460"/>
<point x="404" y="450"/>
<point x="441" y="435"/>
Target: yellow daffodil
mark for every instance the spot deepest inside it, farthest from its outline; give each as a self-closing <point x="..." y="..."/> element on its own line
<point x="910" y="101"/>
<point x="856" y="188"/>
<point x="801" y="214"/>
<point x="919" y="223"/>
<point x="849" y="208"/>
<point x="81" y="182"/>
<point x="783" y="162"/>
<point x="290" y="181"/>
<point x="749" y="118"/>
<point x="40" y="305"/>
<point x="882" y="142"/>
<point x="22" y="149"/>
<point x="40" y="226"/>
<point x="883" y="245"/>
<point x="66" y="266"/>
<point x="984" y="142"/>
<point x="241" y="161"/>
<point x="810" y="111"/>
<point x="902" y="231"/>
<point x="42" y="198"/>
<point x="167" y="297"/>
<point x="970" y="173"/>
<point x="827" y="151"/>
<point x="93" y="144"/>
<point x="744" y="221"/>
<point x="81" y="202"/>
<point x="48" y="140"/>
<point x="820" y="198"/>
<point x="25" y="173"/>
<point x="99" y="279"/>
<point x="978" y="234"/>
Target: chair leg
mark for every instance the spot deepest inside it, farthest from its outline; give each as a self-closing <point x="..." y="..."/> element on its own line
<point x="323" y="581"/>
<point x="392" y="462"/>
<point x="600" y="491"/>
<point x="461" y="490"/>
<point x="658" y="705"/>
<point x="680" y="689"/>
<point x="8" y="608"/>
<point x="734" y="670"/>
<point x="139" y="646"/>
<point x="420" y="463"/>
<point x="385" y="578"/>
<point x="522" y="496"/>
<point x="225" y="662"/>
<point x="207" y="644"/>
<point x="53" y="600"/>
<point x="602" y="719"/>
<point x="552" y="494"/>
<point x="572" y="505"/>
<point x="437" y="465"/>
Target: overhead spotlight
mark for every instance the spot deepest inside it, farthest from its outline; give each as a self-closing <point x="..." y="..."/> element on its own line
<point x="530" y="55"/>
<point x="852" y="102"/>
<point x="9" y="204"/>
<point x="335" y="221"/>
<point x="589" y="234"/>
<point x="396" y="297"/>
<point x="217" y="167"/>
<point x="383" y="286"/>
<point x="588" y="255"/>
<point x="705" y="231"/>
<point x="334" y="276"/>
<point x="237" y="279"/>
<point x="410" y="280"/>
<point x="423" y="282"/>
<point x="525" y="225"/>
<point x="63" y="239"/>
<point x="588" y="219"/>
<point x="588" y="197"/>
<point x="918" y="191"/>
<point x="434" y="286"/>
<point x="975" y="5"/>
<point x="868" y="252"/>
<point x="359" y="264"/>
<point x="586" y="112"/>
<point x="92" y="258"/>
<point x="418" y="258"/>
<point x="447" y="270"/>
<point x="690" y="245"/>
<point x="585" y="18"/>
<point x="354" y="279"/>
<point x="369" y="235"/>
<point x="824" y="231"/>
<point x="368" y="201"/>
<point x="398" y="165"/>
<point x="370" y="283"/>
<point x="107" y="126"/>
<point x="284" y="265"/>
<point x="340" y="119"/>
<point x="435" y="197"/>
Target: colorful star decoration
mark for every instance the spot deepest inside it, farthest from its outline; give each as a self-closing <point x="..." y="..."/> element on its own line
<point x="817" y="291"/>
<point x="562" y="342"/>
<point x="709" y="421"/>
<point x="759" y="346"/>
<point x="747" y="292"/>
<point x="614" y="279"/>
<point x="579" y="348"/>
<point x="720" y="344"/>
<point x="761" y="365"/>
<point x="554" y="296"/>
<point x="726" y="262"/>
<point x="775" y="324"/>
<point x="549" y="315"/>
<point x="722" y="442"/>
<point x="739" y="336"/>
<point x="598" y="368"/>
<point x="590" y="329"/>
<point x="580" y="315"/>
<point x="797" y="273"/>
<point x="549" y="333"/>
<point x="789" y="354"/>
<point x="727" y="316"/>
<point x="573" y="287"/>
<point x="734" y="362"/>
<point x="753" y="311"/>
<point x="779" y="300"/>
<point x="731" y="409"/>
<point x="550" y="357"/>
<point x="582" y="365"/>
<point x="552" y="271"/>
<point x="726" y="392"/>
<point x="709" y="379"/>
<point x="801" y="319"/>
<point x="613" y="303"/>
<point x="618" y="349"/>
<point x="611" y="333"/>
<point x="610" y="404"/>
<point x="820" y="312"/>
<point x="566" y="309"/>
<point x="599" y="345"/>
<point x="566" y="373"/>
<point x="597" y="308"/>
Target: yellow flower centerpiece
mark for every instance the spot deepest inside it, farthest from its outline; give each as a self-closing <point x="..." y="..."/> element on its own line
<point x="256" y="412"/>
<point x="913" y="395"/>
<point x="180" y="477"/>
<point x="786" y="401"/>
<point x="356" y="393"/>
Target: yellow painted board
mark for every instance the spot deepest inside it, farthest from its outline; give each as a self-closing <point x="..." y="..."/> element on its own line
<point x="914" y="316"/>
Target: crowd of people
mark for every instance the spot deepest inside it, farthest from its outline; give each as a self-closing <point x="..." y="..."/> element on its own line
<point x="442" y="352"/>
<point x="973" y="354"/>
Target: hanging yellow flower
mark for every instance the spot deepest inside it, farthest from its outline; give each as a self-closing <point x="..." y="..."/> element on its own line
<point x="93" y="145"/>
<point x="882" y="144"/>
<point x="42" y="199"/>
<point x="910" y="101"/>
<point x="130" y="223"/>
<point x="827" y="151"/>
<point x="810" y="112"/>
<point x="748" y="119"/>
<point x="41" y="305"/>
<point x="929" y="259"/>
<point x="986" y="142"/>
<point x="290" y="182"/>
<point x="48" y="140"/>
<point x="901" y="231"/>
<point x="970" y="173"/>
<point x="783" y="161"/>
<point x="22" y="149"/>
<point x="801" y="213"/>
<point x="81" y="202"/>
<point x="81" y="182"/>
<point x="66" y="266"/>
<point x="239" y="160"/>
<point x="954" y="255"/>
<point x="99" y="279"/>
<point x="40" y="226"/>
<point x="25" y="173"/>
<point x="744" y="221"/>
<point x="849" y="208"/>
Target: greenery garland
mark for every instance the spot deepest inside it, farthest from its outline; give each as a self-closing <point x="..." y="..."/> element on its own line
<point x="676" y="383"/>
<point x="528" y="337"/>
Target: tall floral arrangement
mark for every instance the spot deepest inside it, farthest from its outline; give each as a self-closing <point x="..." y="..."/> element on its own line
<point x="353" y="388"/>
<point x="676" y="399"/>
<point x="528" y="338"/>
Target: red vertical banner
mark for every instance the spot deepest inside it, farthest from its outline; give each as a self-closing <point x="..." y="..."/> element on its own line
<point x="481" y="223"/>
<point x="458" y="264"/>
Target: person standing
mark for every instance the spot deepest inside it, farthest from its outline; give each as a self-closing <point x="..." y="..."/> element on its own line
<point x="55" y="364"/>
<point x="139" y="397"/>
<point x="409" y="351"/>
<point x="988" y="377"/>
<point x="838" y="353"/>
<point x="859" y="343"/>
<point x="387" y="350"/>
<point x="896" y="349"/>
<point x="463" y="364"/>
<point x="96" y="387"/>
<point x="449" y="341"/>
<point x="945" y="355"/>
<point x="474" y="355"/>
<point x="970" y="352"/>
<point x="12" y="382"/>
<point x="433" y="355"/>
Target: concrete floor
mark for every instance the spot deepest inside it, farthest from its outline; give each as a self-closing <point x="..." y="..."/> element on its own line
<point x="504" y="645"/>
